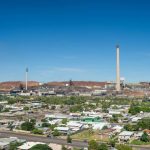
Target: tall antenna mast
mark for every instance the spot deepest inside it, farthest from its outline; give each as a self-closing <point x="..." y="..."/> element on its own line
<point x="27" y="70"/>
<point x="118" y="68"/>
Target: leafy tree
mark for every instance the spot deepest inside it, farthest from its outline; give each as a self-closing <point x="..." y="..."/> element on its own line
<point x="1" y="108"/>
<point x="144" y="123"/>
<point x="63" y="148"/>
<point x="13" y="146"/>
<point x="12" y="101"/>
<point x="104" y="128"/>
<point x="130" y="127"/>
<point x="26" y="108"/>
<point x="76" y="108"/>
<point x="56" y="133"/>
<point x="41" y="147"/>
<point x="6" y="110"/>
<point x="64" y="121"/>
<point x="114" y="118"/>
<point x="112" y="142"/>
<point x="53" y="107"/>
<point x="102" y="147"/>
<point x="44" y="120"/>
<point x="37" y="131"/>
<point x="52" y="126"/>
<point x="123" y="147"/>
<point x="45" y="124"/>
<point x="93" y="145"/>
<point x="27" y="126"/>
<point x="145" y="137"/>
<point x="69" y="139"/>
<point x="33" y="121"/>
<point x="138" y="107"/>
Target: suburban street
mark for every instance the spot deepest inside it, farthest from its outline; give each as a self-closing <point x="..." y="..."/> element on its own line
<point x="34" y="138"/>
<point x="6" y="134"/>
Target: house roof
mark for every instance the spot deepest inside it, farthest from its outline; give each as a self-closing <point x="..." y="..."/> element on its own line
<point x="28" y="145"/>
<point x="126" y="133"/>
<point x="62" y="128"/>
<point x="73" y="123"/>
<point x="147" y="131"/>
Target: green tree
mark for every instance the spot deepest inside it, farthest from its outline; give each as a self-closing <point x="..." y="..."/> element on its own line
<point x="53" y="107"/>
<point x="12" y="101"/>
<point x="93" y="145"/>
<point x="76" y="108"/>
<point x="123" y="147"/>
<point x="33" y="121"/>
<point x="14" y="146"/>
<point x="63" y="148"/>
<point x="145" y="137"/>
<point x="144" y="123"/>
<point x="52" y="126"/>
<point x="6" y="110"/>
<point x="134" y="109"/>
<point x="102" y="147"/>
<point x="56" y="133"/>
<point x="41" y="147"/>
<point x="104" y="128"/>
<point x="27" y="126"/>
<point x="37" y="131"/>
<point x="64" y="121"/>
<point x="44" y="120"/>
<point x="1" y="108"/>
<point x="26" y="108"/>
<point x="130" y="127"/>
<point x="45" y="124"/>
<point x="69" y="139"/>
<point x="112" y="142"/>
<point x="114" y="118"/>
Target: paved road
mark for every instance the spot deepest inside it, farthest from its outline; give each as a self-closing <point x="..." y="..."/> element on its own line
<point x="34" y="138"/>
<point x="79" y="144"/>
<point x="140" y="147"/>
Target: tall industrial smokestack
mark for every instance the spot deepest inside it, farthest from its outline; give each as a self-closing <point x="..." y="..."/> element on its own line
<point x="27" y="79"/>
<point x="118" y="69"/>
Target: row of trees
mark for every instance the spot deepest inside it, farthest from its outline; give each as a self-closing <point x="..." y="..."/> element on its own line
<point x="54" y="100"/>
<point x="93" y="145"/>
<point x="141" y="125"/>
<point x="136" y="108"/>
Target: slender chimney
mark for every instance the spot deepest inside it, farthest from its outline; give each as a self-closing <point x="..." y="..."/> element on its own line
<point x="27" y="79"/>
<point x="118" y="69"/>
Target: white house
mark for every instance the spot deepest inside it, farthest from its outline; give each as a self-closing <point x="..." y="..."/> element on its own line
<point x="64" y="130"/>
<point x="28" y="145"/>
<point x="57" y="116"/>
<point x="136" y="119"/>
<point x="75" y="126"/>
<point x="114" y="111"/>
<point x="100" y="125"/>
<point x="138" y="135"/>
<point x="117" y="128"/>
<point x="55" y="121"/>
<point x="125" y="135"/>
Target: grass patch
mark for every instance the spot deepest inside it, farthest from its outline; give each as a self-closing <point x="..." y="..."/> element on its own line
<point x="138" y="142"/>
<point x="89" y="135"/>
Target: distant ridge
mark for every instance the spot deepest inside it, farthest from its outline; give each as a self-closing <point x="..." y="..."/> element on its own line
<point x="78" y="83"/>
<point x="9" y="85"/>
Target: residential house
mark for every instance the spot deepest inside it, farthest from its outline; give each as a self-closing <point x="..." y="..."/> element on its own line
<point x="28" y="145"/>
<point x="125" y="136"/>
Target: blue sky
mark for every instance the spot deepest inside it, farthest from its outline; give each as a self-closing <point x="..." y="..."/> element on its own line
<point x="74" y="39"/>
